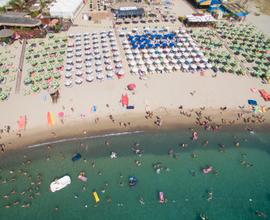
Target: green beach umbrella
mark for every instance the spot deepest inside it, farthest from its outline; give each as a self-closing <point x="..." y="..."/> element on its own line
<point x="35" y="88"/>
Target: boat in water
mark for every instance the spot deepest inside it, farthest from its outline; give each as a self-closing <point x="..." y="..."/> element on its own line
<point x="132" y="181"/>
<point x="161" y="197"/>
<point x="82" y="176"/>
<point x="96" y="197"/>
<point x="76" y="157"/>
<point x="59" y="184"/>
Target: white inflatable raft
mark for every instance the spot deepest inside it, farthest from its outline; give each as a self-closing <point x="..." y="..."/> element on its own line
<point x="59" y="184"/>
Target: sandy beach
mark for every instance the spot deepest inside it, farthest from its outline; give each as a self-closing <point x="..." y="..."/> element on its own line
<point x="161" y="94"/>
<point x="150" y="95"/>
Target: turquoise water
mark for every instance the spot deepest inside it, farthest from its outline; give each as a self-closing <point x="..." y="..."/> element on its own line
<point x="240" y="184"/>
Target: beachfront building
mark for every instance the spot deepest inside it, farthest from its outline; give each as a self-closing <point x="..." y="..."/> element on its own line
<point x="18" y="19"/>
<point x="128" y="12"/>
<point x="66" y="9"/>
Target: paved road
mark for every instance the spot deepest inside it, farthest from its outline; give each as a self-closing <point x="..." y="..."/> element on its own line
<point x="19" y="74"/>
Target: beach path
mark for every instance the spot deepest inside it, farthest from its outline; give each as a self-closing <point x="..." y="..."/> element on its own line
<point x="19" y="75"/>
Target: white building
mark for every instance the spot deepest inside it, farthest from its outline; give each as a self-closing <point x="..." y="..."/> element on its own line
<point x="66" y="8"/>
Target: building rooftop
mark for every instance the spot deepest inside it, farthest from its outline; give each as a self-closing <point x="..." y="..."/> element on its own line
<point x="18" y="21"/>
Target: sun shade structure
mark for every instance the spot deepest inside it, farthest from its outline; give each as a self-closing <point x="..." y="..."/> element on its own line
<point x="65" y="9"/>
<point x="128" y="12"/>
<point x="6" y="33"/>
<point x="235" y="9"/>
<point x="18" y="21"/>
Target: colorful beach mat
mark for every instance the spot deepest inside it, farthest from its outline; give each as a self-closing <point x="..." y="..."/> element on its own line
<point x="22" y="122"/>
<point x="50" y="118"/>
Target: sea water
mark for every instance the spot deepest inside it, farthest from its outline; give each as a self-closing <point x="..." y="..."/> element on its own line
<point x="238" y="186"/>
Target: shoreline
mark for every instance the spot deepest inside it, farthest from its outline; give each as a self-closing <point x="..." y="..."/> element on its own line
<point x="86" y="128"/>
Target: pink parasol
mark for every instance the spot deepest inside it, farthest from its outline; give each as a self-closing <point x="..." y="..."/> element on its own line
<point x="131" y="86"/>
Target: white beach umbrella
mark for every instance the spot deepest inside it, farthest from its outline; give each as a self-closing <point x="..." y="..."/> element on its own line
<point x="165" y="61"/>
<point x="68" y="74"/>
<point x="186" y="54"/>
<point x="181" y="60"/>
<point x="68" y="83"/>
<point x="134" y="70"/>
<point x="78" y="80"/>
<point x="69" y="50"/>
<point x="79" y="66"/>
<point x="106" y="55"/>
<point x="132" y="63"/>
<point x="119" y="65"/>
<point x="177" y="67"/>
<point x="189" y="60"/>
<point x="116" y="53"/>
<point x="193" y="66"/>
<point x="185" y="66"/>
<point x="144" y="50"/>
<point x="78" y="54"/>
<point x="110" y="74"/>
<point x="209" y="65"/>
<point x="173" y="61"/>
<point x="157" y="61"/>
<point x="98" y="63"/>
<point x="99" y="69"/>
<point x="140" y="62"/>
<point x="89" y="71"/>
<point x="88" y="58"/>
<point x="107" y="61"/>
<point x="143" y="69"/>
<point x="90" y="78"/>
<point x="146" y="56"/>
<point x="117" y="59"/>
<point x="79" y="60"/>
<point x="170" y="55"/>
<point x="162" y="55"/>
<point x="151" y="68"/>
<point x="69" y="55"/>
<point x="197" y="59"/>
<point x="88" y="52"/>
<point x="160" y="68"/>
<point x="168" y="67"/>
<point x="154" y="55"/>
<point x="128" y="52"/>
<point x="201" y="65"/>
<point x="109" y="67"/>
<point x="69" y="61"/>
<point x="183" y="49"/>
<point x="148" y="61"/>
<point x="88" y="64"/>
<point x="204" y="59"/>
<point x="79" y="73"/>
<point x="130" y="57"/>
<point x="136" y="51"/>
<point x="100" y="76"/>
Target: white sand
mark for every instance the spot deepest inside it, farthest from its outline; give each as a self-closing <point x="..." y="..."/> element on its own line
<point x="159" y="92"/>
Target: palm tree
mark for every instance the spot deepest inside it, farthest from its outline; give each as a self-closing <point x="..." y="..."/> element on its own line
<point x="17" y="4"/>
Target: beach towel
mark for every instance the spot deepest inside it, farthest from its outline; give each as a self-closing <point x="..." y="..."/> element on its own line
<point x="50" y="118"/>
<point x="265" y="95"/>
<point x="94" y="108"/>
<point x="124" y="100"/>
<point x="22" y="122"/>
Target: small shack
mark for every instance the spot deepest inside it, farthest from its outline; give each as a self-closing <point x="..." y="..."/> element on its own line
<point x="128" y="12"/>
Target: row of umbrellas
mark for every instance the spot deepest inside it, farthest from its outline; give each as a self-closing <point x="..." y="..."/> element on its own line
<point x="184" y="55"/>
<point x="89" y="55"/>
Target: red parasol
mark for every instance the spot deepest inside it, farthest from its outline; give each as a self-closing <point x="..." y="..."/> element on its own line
<point x="131" y="86"/>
